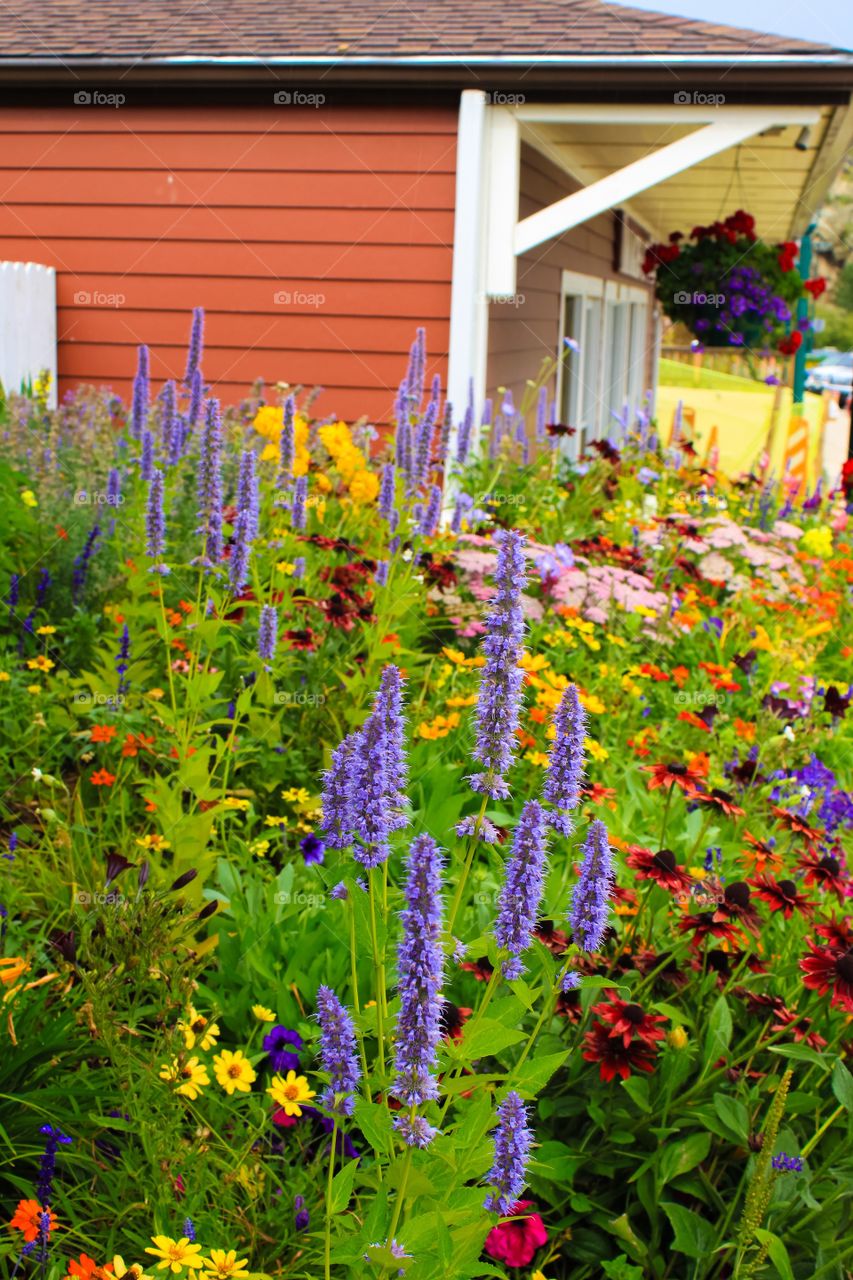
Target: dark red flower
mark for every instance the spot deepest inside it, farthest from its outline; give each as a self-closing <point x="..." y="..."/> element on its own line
<point x="481" y="969"/>
<point x="674" y="775"/>
<point x="453" y="1019"/>
<point x="823" y="872"/>
<point x="800" y="1026"/>
<point x="569" y="1006"/>
<point x="828" y="968"/>
<point x="781" y="895"/>
<point x="615" y="1057"/>
<point x="515" y="1242"/>
<point x="629" y="1020"/>
<point x="837" y="933"/>
<point x="304" y="639"/>
<point x="798" y="825"/>
<point x="815" y="287"/>
<point x="553" y="938"/>
<point x="705" y="924"/>
<point x="736" y="905"/>
<point x="660" y="867"/>
<point x="760" y="1004"/>
<point x="722" y="800"/>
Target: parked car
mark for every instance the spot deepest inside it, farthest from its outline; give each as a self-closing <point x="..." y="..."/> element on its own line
<point x="835" y="373"/>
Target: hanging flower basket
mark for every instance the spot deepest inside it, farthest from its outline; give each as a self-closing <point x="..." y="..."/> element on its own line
<point x="728" y="287"/>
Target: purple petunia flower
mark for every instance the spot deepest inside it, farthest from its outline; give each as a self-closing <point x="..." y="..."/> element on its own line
<point x="513" y="1140"/>
<point x="313" y="849"/>
<point x="521" y="894"/>
<point x="566" y="765"/>
<point x="420" y="963"/>
<point x="283" y="1045"/>
<point x="268" y="633"/>
<point x="338" y="1053"/>
<point x="589" y="907"/>
<point x="499" y="701"/>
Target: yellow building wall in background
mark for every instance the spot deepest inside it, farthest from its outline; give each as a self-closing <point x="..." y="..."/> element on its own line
<point x="743" y="420"/>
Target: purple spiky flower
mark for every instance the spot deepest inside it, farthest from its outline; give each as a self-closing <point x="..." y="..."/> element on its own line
<point x="336" y="802"/>
<point x="196" y="344"/>
<point x="155" y="523"/>
<point x="388" y="708"/>
<point x="368" y="791"/>
<point x="420" y="964"/>
<point x="566" y="765"/>
<point x="423" y="445"/>
<point x="287" y="444"/>
<point x="589" y="907"/>
<point x="541" y="414"/>
<point x="380" y="577"/>
<point x="463" y="438"/>
<point x="521" y="894"/>
<point x="298" y="514"/>
<point x="464" y="503"/>
<point x="146" y="457"/>
<point x="268" y="633"/>
<point x="499" y="701"/>
<point x="114" y="488"/>
<point x="513" y="1140"/>
<point x="432" y="514"/>
<point x="171" y="433"/>
<point x="210" y="486"/>
<point x="444" y="434"/>
<point x="522" y="439"/>
<point x="404" y="448"/>
<point x="247" y="493"/>
<point x="139" y="404"/>
<point x="338" y="1053"/>
<point x="386" y="490"/>
<point x="196" y="398"/>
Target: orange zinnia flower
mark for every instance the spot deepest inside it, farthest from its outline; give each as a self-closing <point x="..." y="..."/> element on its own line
<point x="136" y="742"/>
<point x="102" y="778"/>
<point x="27" y="1218"/>
<point x="103" y="732"/>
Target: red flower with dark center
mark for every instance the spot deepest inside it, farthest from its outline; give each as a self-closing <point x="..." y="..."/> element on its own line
<point x="614" y="1056"/>
<point x="516" y="1242"/>
<point x="723" y="800"/>
<point x="762" y="854"/>
<point x="825" y="873"/>
<point x="837" y="933"/>
<point x="827" y="968"/>
<point x="304" y="639"/>
<point x="736" y="906"/>
<point x="481" y="969"/>
<point x="453" y="1019"/>
<point x="553" y="938"/>
<point x="660" y="867"/>
<point x="629" y="1020"/>
<point x="798" y="825"/>
<point x="646" y="961"/>
<point x="781" y="895"/>
<point x="673" y="775"/>
<point x="800" y="1026"/>
<point x="705" y="924"/>
<point x="569" y="1006"/>
<point x="759" y="1004"/>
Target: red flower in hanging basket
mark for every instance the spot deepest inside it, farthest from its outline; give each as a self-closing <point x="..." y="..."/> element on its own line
<point x="815" y="287"/>
<point x="790" y="345"/>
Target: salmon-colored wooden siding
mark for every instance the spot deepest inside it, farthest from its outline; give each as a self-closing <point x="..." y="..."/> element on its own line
<point x="164" y="209"/>
<point x="525" y="330"/>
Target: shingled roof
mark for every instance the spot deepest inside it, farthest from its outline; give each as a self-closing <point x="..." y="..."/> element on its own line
<point x="432" y="30"/>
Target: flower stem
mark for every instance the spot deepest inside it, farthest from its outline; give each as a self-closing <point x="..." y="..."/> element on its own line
<point x="328" y="1251"/>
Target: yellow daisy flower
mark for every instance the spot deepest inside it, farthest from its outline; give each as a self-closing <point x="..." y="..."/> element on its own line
<point x="235" y="802"/>
<point x="28" y="498"/>
<point x="41" y="663"/>
<point x="296" y="795"/>
<point x="234" y="1071"/>
<point x="198" y="1032"/>
<point x="190" y="1078"/>
<point x="33" y="688"/>
<point x="154" y="841"/>
<point x="46" y="631"/>
<point x="262" y="1013"/>
<point x="290" y="1092"/>
<point x="122" y="1271"/>
<point x="4" y="676"/>
<point x="176" y="1255"/>
<point x="221" y="1265"/>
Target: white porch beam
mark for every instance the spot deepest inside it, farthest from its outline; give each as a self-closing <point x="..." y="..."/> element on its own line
<point x="504" y="177"/>
<point x="727" y="131"/>
<point x="667" y="113"/>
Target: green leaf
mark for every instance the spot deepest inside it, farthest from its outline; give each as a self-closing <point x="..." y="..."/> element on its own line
<point x="637" y="1089"/>
<point x="486" y="1038"/>
<point x="534" y="1073"/>
<point x="800" y="1053"/>
<point x="375" y="1123"/>
<point x="733" y="1115"/>
<point x="777" y="1251"/>
<point x="719" y="1033"/>
<point x="681" y="1156"/>
<point x="842" y="1085"/>
<point x="342" y="1186"/>
<point x="621" y="1269"/>
<point x="622" y="1228"/>
<point x="694" y="1236"/>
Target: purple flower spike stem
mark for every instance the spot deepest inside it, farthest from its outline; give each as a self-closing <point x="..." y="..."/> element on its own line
<point x="566" y="765"/>
<point x="428" y="527"/>
<point x="268" y="633"/>
<point x="287" y="444"/>
<point x="513" y="1140"/>
<point x="521" y="894"/>
<point x="338" y="1053"/>
<point x="368" y="788"/>
<point x="463" y="438"/>
<point x="146" y="457"/>
<point x="386" y="490"/>
<point x="420" y="964"/>
<point x="588" y="913"/>
<point x="388" y="708"/>
<point x="196" y="345"/>
<point x="247" y="493"/>
<point x="139" y="404"/>
<point x="196" y="398"/>
<point x="499" y="702"/>
<point x="298" y="514"/>
<point x="210" y="487"/>
<point x="444" y="435"/>
<point x="155" y="523"/>
<point x="541" y="414"/>
<point x="336" y="802"/>
<point x="170" y="424"/>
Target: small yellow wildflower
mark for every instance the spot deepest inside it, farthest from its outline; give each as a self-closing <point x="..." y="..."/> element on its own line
<point x="46" y="631"/>
<point x="290" y="1092"/>
<point x="296" y="795"/>
<point x="156" y="694"/>
<point x="122" y="1271"/>
<point x="198" y="1031"/>
<point x="817" y="542"/>
<point x="284" y="566"/>
<point x="596" y="750"/>
<point x="259" y="848"/>
<point x="234" y="1071"/>
<point x="156" y="842"/>
<point x="41" y="663"/>
<point x="176" y="1255"/>
<point x="364" y="487"/>
<point x="221" y="1265"/>
<point x="33" y="688"/>
<point x="645" y="612"/>
<point x="537" y="758"/>
<point x="262" y="1013"/>
<point x="440" y="727"/>
<point x="191" y="1077"/>
<point x="28" y="498"/>
<point x="4" y="676"/>
<point x="236" y="802"/>
<point x="593" y="703"/>
<point x="677" y="1038"/>
<point x="271" y="820"/>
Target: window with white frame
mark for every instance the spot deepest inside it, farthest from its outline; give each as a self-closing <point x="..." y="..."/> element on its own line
<point x="609" y="322"/>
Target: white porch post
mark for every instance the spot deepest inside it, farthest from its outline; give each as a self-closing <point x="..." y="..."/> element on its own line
<point x="469" y="308"/>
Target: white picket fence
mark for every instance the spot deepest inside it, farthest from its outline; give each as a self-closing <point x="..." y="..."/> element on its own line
<point x="27" y="324"/>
